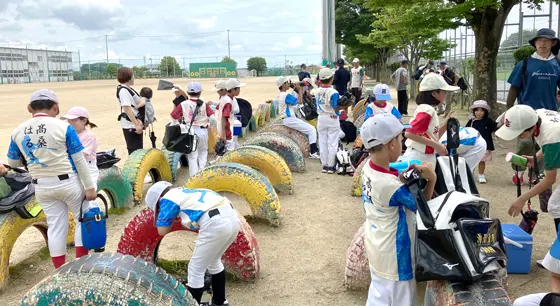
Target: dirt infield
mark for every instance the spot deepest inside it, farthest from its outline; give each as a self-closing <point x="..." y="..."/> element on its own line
<point x="302" y="261"/>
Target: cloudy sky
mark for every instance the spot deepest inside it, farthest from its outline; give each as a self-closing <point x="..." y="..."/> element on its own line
<point x="191" y="30"/>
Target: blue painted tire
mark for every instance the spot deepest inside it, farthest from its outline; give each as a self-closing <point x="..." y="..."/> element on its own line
<point x="173" y="159"/>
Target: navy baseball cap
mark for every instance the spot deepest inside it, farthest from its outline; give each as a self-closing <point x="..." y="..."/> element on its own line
<point x="404" y="62"/>
<point x="442" y="63"/>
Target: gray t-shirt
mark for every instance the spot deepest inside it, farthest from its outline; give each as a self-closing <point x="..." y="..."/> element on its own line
<point x="400" y="74"/>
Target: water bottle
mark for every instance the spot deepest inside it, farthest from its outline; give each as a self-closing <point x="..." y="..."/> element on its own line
<point x="402" y="165"/>
<point x="94" y="229"/>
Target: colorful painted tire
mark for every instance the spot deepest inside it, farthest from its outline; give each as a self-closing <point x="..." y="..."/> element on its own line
<point x="212" y="138"/>
<point x="251" y="185"/>
<point x="116" y="185"/>
<point x="253" y="123"/>
<point x="297" y="136"/>
<point x="266" y="112"/>
<point x="357" y="182"/>
<point x="260" y="116"/>
<point x="359" y="108"/>
<point x="272" y="109"/>
<point x="12" y="226"/>
<point x="265" y="161"/>
<point x="360" y="121"/>
<point x="283" y="145"/>
<point x="141" y="239"/>
<point x="173" y="160"/>
<point x="143" y="162"/>
<point x="356" y="274"/>
<point x="108" y="279"/>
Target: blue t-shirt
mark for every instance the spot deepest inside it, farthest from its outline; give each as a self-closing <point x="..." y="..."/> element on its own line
<point x="541" y="80"/>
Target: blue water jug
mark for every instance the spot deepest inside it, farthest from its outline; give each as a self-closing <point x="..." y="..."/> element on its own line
<point x="403" y="164"/>
<point x="94" y="228"/>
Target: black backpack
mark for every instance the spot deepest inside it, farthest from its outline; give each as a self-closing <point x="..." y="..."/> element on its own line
<point x="141" y="111"/>
<point x="245" y="110"/>
<point x="350" y="131"/>
<point x="418" y="72"/>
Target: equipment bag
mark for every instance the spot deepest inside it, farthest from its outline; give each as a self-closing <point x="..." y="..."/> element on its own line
<point x="175" y="140"/>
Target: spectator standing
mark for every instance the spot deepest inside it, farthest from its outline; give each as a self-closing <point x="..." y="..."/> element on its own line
<point x="303" y="74"/>
<point x="357" y="82"/>
<point x="341" y="78"/>
<point x="449" y="76"/>
<point x="401" y="82"/>
<point x="133" y="129"/>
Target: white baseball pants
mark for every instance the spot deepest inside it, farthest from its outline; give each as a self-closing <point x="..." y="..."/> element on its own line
<point x="198" y="158"/>
<point x="329" y="132"/>
<point x="384" y="292"/>
<point x="56" y="197"/>
<point x="94" y="172"/>
<point x="475" y="153"/>
<point x="411" y="153"/>
<point x="302" y="126"/>
<point x="530" y="300"/>
<point x="216" y="234"/>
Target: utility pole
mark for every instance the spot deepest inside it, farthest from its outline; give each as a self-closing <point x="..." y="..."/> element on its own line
<point x="79" y="64"/>
<point x="228" y="45"/>
<point x="107" y="49"/>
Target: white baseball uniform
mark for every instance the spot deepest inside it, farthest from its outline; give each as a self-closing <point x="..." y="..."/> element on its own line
<point x="286" y="103"/>
<point x="198" y="158"/>
<point x="218" y="224"/>
<point x="328" y="125"/>
<point x="53" y="153"/>
<point x="472" y="146"/>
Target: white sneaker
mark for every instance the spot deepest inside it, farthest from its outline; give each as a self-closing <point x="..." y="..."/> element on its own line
<point x="314" y="156"/>
<point x="482" y="179"/>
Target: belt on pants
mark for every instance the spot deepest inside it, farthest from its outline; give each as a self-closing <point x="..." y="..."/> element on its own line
<point x="61" y="177"/>
<point x="216" y="211"/>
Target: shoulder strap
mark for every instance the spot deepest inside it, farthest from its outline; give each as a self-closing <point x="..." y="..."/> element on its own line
<point x="194" y="114"/>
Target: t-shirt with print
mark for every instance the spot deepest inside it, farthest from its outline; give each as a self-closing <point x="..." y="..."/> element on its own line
<point x="425" y="123"/>
<point x="89" y="141"/>
<point x="126" y="99"/>
<point x="357" y="77"/>
<point x="400" y="74"/>
<point x="390" y="226"/>
<point x="187" y="204"/>
<point x="549" y="138"/>
<point x="541" y="81"/>
<point x="376" y="109"/>
<point x="327" y="100"/>
<point x="47" y="144"/>
<point x="286" y="103"/>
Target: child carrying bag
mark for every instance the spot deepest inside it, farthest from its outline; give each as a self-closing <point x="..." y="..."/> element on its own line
<point x="177" y="140"/>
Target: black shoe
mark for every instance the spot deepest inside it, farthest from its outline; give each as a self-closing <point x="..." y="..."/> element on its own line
<point x="212" y="304"/>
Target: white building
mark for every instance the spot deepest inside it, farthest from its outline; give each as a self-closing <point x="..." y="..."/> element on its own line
<point x="32" y="65"/>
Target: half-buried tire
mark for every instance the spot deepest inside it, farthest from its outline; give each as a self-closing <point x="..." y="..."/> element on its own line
<point x="174" y="161"/>
<point x="356" y="274"/>
<point x="108" y="279"/>
<point x="143" y="162"/>
<point x="244" y="181"/>
<point x="297" y="136"/>
<point x="141" y="239"/>
<point x="359" y="108"/>
<point x="116" y="185"/>
<point x="283" y="145"/>
<point x="357" y="182"/>
<point x="360" y="120"/>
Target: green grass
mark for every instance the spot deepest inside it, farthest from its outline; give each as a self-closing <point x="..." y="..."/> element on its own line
<point x="503" y="75"/>
<point x="22" y="268"/>
<point x="179" y="268"/>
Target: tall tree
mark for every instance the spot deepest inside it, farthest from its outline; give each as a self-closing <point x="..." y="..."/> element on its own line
<point x="168" y="66"/>
<point x="353" y="19"/>
<point x="228" y="59"/>
<point x="257" y="63"/>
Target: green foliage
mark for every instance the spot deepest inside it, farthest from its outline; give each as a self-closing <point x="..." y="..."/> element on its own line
<point x="512" y="39"/>
<point x="112" y="69"/>
<point x="353" y="19"/>
<point x="228" y="59"/>
<point x="523" y="53"/>
<point x="169" y="66"/>
<point x="257" y="63"/>
<point x="101" y="68"/>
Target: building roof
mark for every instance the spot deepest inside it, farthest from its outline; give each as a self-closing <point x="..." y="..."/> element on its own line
<point x="29" y="49"/>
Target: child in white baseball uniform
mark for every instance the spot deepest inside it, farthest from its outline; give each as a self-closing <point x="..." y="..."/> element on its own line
<point x="382" y="94"/>
<point x="78" y="117"/>
<point x="286" y="104"/>
<point x="328" y="125"/>
<point x="53" y="154"/>
<point x="218" y="224"/>
<point x="225" y="115"/>
<point x="390" y="209"/>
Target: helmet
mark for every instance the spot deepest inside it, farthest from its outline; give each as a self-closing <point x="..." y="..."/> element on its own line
<point x="154" y="193"/>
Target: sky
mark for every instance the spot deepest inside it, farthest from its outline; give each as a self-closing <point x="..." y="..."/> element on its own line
<point x="190" y="30"/>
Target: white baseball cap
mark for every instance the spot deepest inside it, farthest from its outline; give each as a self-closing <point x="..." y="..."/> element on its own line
<point x="233" y="83"/>
<point x="433" y="81"/>
<point x="76" y="112"/>
<point x="382" y="92"/>
<point x="356" y="60"/>
<point x="154" y="193"/>
<point x="44" y="94"/>
<point x="325" y="74"/>
<point x="517" y="120"/>
<point x="220" y="84"/>
<point x="380" y="129"/>
<point x="309" y="82"/>
<point x="194" y="87"/>
<point x="281" y="80"/>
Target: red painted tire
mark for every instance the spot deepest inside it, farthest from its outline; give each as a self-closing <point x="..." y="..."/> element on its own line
<point x="357" y="275"/>
<point x="140" y="239"/>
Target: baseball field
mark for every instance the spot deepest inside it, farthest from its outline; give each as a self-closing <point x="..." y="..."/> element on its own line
<point x="302" y="261"/>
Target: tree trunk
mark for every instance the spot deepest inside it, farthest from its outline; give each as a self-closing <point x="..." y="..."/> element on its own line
<point x="487" y="27"/>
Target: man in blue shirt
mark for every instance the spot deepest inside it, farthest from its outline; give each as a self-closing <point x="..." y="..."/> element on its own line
<point x="341" y="78"/>
<point x="303" y="74"/>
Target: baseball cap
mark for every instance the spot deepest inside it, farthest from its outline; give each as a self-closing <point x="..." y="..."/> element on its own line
<point x="433" y="81"/>
<point x="382" y="92"/>
<point x="404" y="62"/>
<point x="233" y="83"/>
<point x="355" y="60"/>
<point x="340" y="62"/>
<point x="220" y="84"/>
<point x="281" y="80"/>
<point x="154" y="193"/>
<point x="44" y="94"/>
<point x="309" y="82"/>
<point x="380" y="129"/>
<point x="75" y="112"/>
<point x="194" y="87"/>
<point x="517" y="119"/>
<point x="325" y="73"/>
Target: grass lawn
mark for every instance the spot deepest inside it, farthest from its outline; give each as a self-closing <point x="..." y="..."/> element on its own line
<point x="503" y="75"/>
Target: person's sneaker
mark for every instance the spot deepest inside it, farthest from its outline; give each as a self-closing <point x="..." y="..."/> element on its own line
<point x="330" y="170"/>
<point x="314" y="155"/>
<point x="212" y="304"/>
<point x="515" y="177"/>
<point x="481" y="179"/>
<point x="325" y="169"/>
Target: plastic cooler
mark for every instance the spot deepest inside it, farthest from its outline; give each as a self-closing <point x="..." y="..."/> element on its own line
<point x="237" y="128"/>
<point x="519" y="258"/>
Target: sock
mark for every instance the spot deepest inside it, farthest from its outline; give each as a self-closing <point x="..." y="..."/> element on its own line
<point x="313" y="148"/>
<point x="58" y="261"/>
<point x="81" y="251"/>
<point x="219" y="288"/>
<point x="196" y="293"/>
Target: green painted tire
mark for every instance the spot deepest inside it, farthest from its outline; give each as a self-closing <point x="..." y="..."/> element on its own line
<point x="116" y="185"/>
<point x="173" y="160"/>
<point x="143" y="162"/>
<point x="108" y="279"/>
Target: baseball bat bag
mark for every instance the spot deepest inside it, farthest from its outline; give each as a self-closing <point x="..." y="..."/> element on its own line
<point x="165" y="85"/>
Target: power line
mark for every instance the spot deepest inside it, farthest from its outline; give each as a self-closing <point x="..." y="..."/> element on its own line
<point x="264" y="32"/>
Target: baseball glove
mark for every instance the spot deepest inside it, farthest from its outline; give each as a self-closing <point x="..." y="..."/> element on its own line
<point x="346" y="100"/>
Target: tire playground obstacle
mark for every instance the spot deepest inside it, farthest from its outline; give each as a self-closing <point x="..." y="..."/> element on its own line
<point x="297" y="136"/>
<point x="141" y="239"/>
<point x="283" y="145"/>
<point x="143" y="162"/>
<point x="357" y="182"/>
